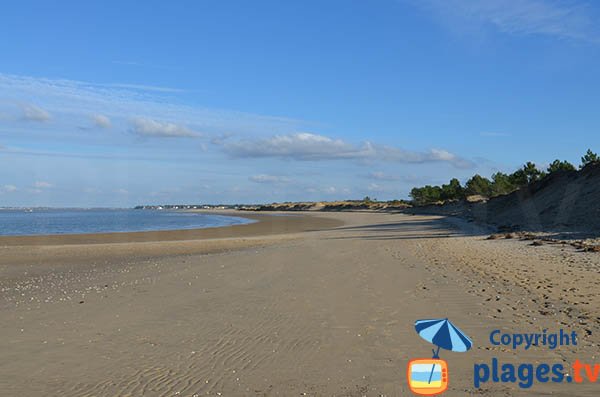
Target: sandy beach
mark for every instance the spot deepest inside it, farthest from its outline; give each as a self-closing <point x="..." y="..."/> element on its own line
<point x="312" y="304"/>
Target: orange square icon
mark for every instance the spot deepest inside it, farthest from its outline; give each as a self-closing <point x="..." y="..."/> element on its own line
<point x="427" y="376"/>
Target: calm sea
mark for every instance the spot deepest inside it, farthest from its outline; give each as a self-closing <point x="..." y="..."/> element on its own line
<point x="67" y="221"/>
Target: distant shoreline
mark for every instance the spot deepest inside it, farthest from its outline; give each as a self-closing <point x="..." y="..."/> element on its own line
<point x="264" y="224"/>
<point x="42" y="222"/>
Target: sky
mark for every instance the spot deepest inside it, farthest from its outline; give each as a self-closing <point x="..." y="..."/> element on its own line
<point x="120" y="103"/>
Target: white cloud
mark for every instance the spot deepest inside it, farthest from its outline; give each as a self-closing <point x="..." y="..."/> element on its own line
<point x="144" y="87"/>
<point x="8" y="188"/>
<point x="122" y="191"/>
<point x="494" y="134"/>
<point x="220" y="139"/>
<point x="42" y="185"/>
<point x="381" y="176"/>
<point x="73" y="100"/>
<point x="158" y="129"/>
<point x="298" y="146"/>
<point x="264" y="178"/>
<point x="307" y="146"/>
<point x="101" y="121"/>
<point x="34" y="113"/>
<point x="563" y="19"/>
<point x="329" y="190"/>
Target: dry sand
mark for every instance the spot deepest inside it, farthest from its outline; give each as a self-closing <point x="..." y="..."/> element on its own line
<point x="321" y="304"/>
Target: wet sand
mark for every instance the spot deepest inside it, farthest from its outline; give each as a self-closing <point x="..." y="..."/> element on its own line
<point x="108" y="247"/>
<point x="266" y="224"/>
<point x="326" y="308"/>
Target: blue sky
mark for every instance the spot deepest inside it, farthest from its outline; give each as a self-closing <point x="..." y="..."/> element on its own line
<point x="118" y="103"/>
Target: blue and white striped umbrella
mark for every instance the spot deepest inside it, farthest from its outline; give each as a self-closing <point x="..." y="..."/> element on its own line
<point x="444" y="334"/>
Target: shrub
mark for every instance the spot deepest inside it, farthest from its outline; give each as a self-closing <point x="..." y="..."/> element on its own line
<point x="453" y="190"/>
<point x="502" y="184"/>
<point x="478" y="185"/>
<point x="558" y="165"/>
<point x="589" y="157"/>
<point x="426" y="194"/>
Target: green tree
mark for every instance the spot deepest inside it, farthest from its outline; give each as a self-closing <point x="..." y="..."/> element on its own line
<point x="426" y="195"/>
<point x="589" y="157"/>
<point x="532" y="173"/>
<point x="525" y="175"/>
<point x="478" y="185"/>
<point x="558" y="165"/>
<point x="501" y="184"/>
<point x="416" y="194"/>
<point x="518" y="178"/>
<point x="452" y="191"/>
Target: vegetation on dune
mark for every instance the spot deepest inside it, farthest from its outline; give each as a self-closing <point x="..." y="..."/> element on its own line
<point x="475" y="188"/>
<point x="478" y="185"/>
<point x="589" y="157"/>
<point x="452" y="190"/>
<point x="557" y="165"/>
<point x="367" y="203"/>
<point x="499" y="184"/>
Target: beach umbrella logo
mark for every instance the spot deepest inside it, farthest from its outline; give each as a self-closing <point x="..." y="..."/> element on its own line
<point x="429" y="377"/>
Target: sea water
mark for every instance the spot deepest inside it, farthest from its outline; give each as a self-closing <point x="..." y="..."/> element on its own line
<point x="22" y="222"/>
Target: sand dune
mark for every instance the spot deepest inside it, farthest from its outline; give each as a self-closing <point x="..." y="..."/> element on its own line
<point x="565" y="202"/>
